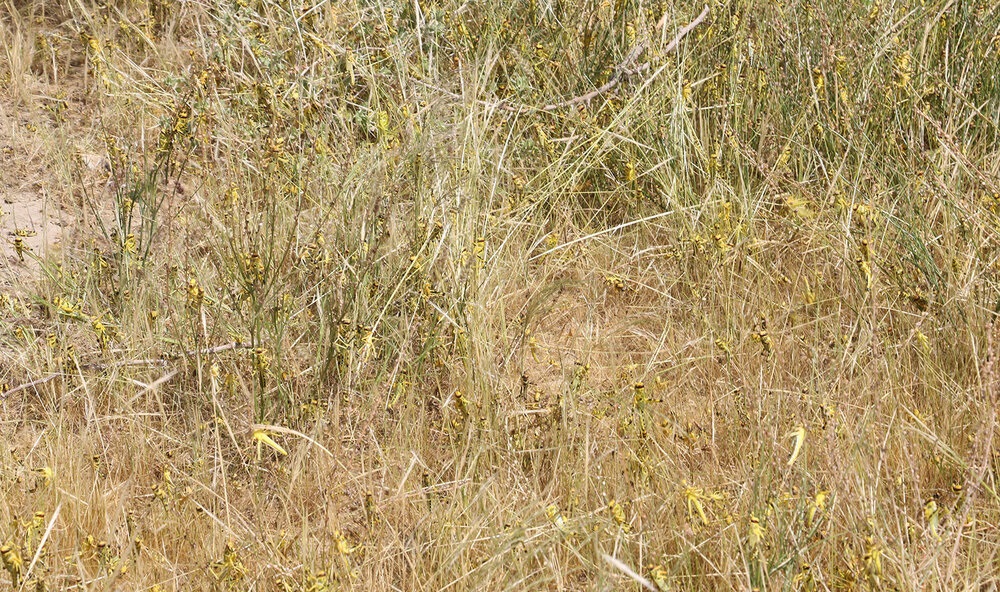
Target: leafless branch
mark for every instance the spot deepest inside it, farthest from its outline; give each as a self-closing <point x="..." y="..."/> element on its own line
<point x="161" y="361"/>
<point x="29" y="385"/>
<point x="625" y="67"/>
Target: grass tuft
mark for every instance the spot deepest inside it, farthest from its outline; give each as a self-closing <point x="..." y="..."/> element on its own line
<point x="427" y="295"/>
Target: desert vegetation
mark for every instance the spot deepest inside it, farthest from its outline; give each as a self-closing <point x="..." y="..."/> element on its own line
<point x="528" y="295"/>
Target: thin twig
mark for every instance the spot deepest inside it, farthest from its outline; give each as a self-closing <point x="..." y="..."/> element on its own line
<point x="599" y="233"/>
<point x="159" y="381"/>
<point x="982" y="451"/>
<point x="504" y="105"/>
<point x="290" y="432"/>
<point x="28" y="385"/>
<point x="161" y="361"/>
<point x="146" y="362"/>
<point x="166" y="358"/>
<point x="625" y="67"/>
<point x="952" y="144"/>
<point x="218" y="348"/>
<point x="41" y="545"/>
<point x="625" y="569"/>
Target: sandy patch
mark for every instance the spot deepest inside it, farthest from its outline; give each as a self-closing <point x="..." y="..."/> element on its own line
<point x="33" y="218"/>
<point x="31" y="225"/>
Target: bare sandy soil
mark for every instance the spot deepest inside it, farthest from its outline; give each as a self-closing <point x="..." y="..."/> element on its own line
<point x="30" y="217"/>
<point x="39" y="197"/>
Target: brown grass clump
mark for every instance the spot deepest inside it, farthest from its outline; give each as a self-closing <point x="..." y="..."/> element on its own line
<point x="324" y="295"/>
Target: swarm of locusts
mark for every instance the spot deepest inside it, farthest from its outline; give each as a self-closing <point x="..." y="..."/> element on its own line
<point x="528" y="295"/>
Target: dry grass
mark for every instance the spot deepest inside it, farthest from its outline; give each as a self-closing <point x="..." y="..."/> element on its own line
<point x="336" y="304"/>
